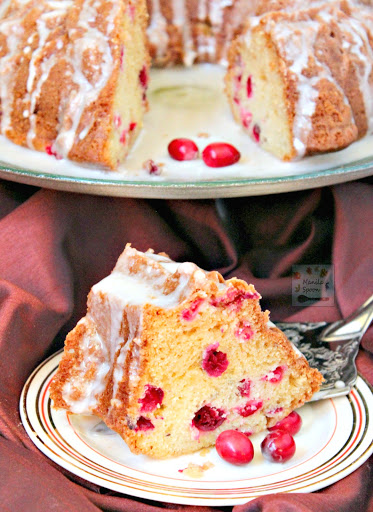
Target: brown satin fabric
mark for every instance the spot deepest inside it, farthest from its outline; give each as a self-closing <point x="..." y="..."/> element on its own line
<point x="54" y="246"/>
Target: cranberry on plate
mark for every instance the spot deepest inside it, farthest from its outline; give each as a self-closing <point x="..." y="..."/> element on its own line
<point x="220" y="154"/>
<point x="234" y="447"/>
<point x="183" y="149"/>
<point x="290" y="424"/>
<point x="278" y="446"/>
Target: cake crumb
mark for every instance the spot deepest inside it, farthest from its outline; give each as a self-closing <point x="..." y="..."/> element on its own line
<point x="195" y="470"/>
<point x="153" y="167"/>
<point x="203" y="135"/>
<point x="204" y="451"/>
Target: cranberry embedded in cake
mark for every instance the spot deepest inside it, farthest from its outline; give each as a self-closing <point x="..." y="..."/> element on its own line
<point x="249" y="86"/>
<point x="244" y="387"/>
<point x="214" y="362"/>
<point x="256" y="132"/>
<point x="191" y="312"/>
<point x="244" y="331"/>
<point x="152" y="398"/>
<point x="208" y="418"/>
<point x="251" y="407"/>
<point x="275" y="375"/>
<point x="143" y="424"/>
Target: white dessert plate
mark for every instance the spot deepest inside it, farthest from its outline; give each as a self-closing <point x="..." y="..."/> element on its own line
<point x="188" y="102"/>
<point x="335" y="439"/>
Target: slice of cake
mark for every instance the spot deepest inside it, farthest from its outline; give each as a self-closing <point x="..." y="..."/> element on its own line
<point x="74" y="76"/>
<point x="300" y="81"/>
<point x="169" y="356"/>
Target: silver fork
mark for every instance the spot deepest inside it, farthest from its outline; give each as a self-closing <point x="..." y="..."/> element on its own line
<point x="332" y="348"/>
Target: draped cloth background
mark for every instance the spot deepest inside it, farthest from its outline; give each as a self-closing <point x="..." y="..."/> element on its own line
<point x="54" y="246"/>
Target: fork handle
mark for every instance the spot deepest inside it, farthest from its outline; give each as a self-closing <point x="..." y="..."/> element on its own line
<point x="354" y="325"/>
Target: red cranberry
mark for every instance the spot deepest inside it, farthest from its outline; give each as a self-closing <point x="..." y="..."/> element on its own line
<point x="234" y="447"/>
<point x="132" y="126"/>
<point x="291" y="424"/>
<point x="233" y="297"/>
<point x="121" y="58"/>
<point x="256" y="133"/>
<point x="246" y="118"/>
<point x="190" y="313"/>
<point x="208" y="418"/>
<point x="244" y="389"/>
<point x="143" y="77"/>
<point x="278" y="446"/>
<point x="251" y="407"/>
<point x="144" y="424"/>
<point x="183" y="149"/>
<point x="123" y="136"/>
<point x="275" y="411"/>
<point x="132" y="10"/>
<point x="220" y="154"/>
<point x="214" y="362"/>
<point x="244" y="331"/>
<point x="152" y="398"/>
<point x="276" y="375"/>
<point x="249" y="87"/>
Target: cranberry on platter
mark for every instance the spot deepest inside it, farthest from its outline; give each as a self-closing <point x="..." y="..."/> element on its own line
<point x="234" y="447"/>
<point x="291" y="424"/>
<point x="183" y="149"/>
<point x="220" y="154"/>
<point x="278" y="446"/>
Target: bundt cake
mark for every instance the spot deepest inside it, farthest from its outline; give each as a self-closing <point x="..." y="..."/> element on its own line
<point x="169" y="356"/>
<point x="73" y="76"/>
<point x="300" y="81"/>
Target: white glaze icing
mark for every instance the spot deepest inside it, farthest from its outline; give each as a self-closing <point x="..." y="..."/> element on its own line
<point x="94" y="355"/>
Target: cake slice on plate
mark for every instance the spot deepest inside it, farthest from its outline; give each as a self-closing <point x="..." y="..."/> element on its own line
<point x="169" y="356"/>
